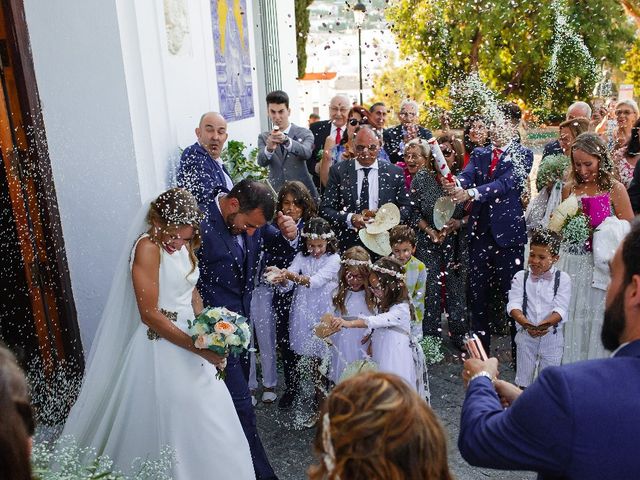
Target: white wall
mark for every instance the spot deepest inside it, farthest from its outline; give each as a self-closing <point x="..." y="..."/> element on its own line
<point x="81" y="82"/>
<point x="117" y="106"/>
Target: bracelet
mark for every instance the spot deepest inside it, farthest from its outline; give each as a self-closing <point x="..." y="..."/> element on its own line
<point x="482" y="373"/>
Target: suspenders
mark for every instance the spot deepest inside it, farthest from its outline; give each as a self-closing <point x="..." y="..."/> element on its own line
<point x="556" y="284"/>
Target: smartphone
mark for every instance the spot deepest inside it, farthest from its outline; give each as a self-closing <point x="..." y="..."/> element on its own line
<point x="474" y="347"/>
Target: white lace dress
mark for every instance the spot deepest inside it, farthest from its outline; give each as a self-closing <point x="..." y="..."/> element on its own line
<point x="309" y="304"/>
<point x="586" y="309"/>
<point x="347" y="346"/>
<point x="164" y="395"/>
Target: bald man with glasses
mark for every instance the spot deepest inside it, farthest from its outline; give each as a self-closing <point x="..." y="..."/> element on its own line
<point x="359" y="185"/>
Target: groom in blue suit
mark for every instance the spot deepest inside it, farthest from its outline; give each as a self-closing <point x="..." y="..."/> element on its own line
<point x="494" y="179"/>
<point x="234" y="233"/>
<point x="577" y="421"/>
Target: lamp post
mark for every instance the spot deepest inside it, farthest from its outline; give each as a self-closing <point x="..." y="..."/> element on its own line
<point x="359" y="13"/>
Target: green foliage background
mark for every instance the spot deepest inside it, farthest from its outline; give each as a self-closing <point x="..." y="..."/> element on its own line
<point x="508" y="42"/>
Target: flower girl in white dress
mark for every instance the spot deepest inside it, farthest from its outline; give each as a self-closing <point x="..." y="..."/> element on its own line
<point x="146" y="386"/>
<point x="314" y="274"/>
<point x="394" y="348"/>
<point x="352" y="298"/>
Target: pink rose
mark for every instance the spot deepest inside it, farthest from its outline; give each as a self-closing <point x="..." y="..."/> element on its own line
<point x="201" y="342"/>
<point x="225" y="328"/>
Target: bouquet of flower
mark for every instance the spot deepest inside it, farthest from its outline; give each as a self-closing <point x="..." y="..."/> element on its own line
<point x="576" y="231"/>
<point x="551" y="169"/>
<point x="221" y="331"/>
<point x="559" y="216"/>
<point x="432" y="348"/>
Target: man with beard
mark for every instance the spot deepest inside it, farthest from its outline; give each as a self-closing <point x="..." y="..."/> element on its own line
<point x="234" y="233"/>
<point x="201" y="170"/>
<point x="578" y="421"/>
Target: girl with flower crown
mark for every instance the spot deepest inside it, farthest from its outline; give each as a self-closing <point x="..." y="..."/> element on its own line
<point x="352" y="298"/>
<point x="314" y="273"/>
<point x="394" y="349"/>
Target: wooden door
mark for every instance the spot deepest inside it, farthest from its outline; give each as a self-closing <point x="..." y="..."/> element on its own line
<point x="37" y="312"/>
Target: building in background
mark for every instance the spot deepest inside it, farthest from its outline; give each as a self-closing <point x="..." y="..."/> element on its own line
<point x="98" y="99"/>
<point x="332" y="54"/>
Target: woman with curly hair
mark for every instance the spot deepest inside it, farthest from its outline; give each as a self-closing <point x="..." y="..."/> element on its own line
<point x="600" y="195"/>
<point x="375" y="427"/>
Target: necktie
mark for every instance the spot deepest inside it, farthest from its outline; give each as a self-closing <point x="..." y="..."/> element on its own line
<point x="238" y="250"/>
<point x="363" y="201"/>
<point x="494" y="160"/>
<point x="338" y="136"/>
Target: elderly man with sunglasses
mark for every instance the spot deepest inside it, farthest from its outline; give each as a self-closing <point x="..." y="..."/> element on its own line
<point x="397" y="137"/>
<point x="357" y="187"/>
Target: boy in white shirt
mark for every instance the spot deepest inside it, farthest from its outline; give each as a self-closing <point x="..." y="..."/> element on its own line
<point x="538" y="302"/>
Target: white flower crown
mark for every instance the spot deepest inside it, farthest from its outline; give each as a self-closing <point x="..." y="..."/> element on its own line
<point x="315" y="236"/>
<point x="388" y="271"/>
<point x="355" y="263"/>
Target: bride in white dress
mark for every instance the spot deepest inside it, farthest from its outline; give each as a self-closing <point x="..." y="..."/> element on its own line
<point x="146" y="386"/>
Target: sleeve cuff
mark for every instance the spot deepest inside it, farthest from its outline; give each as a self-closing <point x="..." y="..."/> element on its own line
<point x="562" y="313"/>
<point x="267" y="153"/>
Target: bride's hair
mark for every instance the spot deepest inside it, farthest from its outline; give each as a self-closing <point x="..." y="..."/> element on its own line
<point x="173" y="209"/>
<point x="593" y="145"/>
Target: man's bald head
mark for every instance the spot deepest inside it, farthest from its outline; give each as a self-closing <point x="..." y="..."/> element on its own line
<point x="212" y="133"/>
<point x="339" y="107"/>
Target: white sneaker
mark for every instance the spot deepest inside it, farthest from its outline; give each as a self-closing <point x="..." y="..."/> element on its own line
<point x="269" y="396"/>
<point x="254" y="400"/>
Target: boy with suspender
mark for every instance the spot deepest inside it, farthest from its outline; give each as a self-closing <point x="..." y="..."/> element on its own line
<point x="538" y="302"/>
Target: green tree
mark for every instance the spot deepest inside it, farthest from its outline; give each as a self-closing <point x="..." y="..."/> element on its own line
<point x="541" y="51"/>
<point x="632" y="65"/>
<point x="301" y="8"/>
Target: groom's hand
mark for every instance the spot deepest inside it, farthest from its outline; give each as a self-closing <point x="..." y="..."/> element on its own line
<point x="287" y="226"/>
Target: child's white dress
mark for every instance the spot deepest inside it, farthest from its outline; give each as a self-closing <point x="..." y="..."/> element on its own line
<point x="390" y="342"/>
<point x="347" y="346"/>
<point x="309" y="304"/>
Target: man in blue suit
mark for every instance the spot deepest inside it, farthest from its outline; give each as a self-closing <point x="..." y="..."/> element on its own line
<point x="201" y="170"/>
<point x="494" y="179"/>
<point x="234" y="232"/>
<point x="577" y="421"/>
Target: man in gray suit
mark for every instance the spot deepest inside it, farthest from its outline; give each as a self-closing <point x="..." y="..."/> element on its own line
<point x="286" y="149"/>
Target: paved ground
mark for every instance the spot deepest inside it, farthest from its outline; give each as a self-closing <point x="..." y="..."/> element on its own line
<point x="290" y="447"/>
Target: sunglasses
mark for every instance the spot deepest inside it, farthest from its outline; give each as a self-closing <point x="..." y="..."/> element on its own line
<point x="353" y="122"/>
<point x="446" y="152"/>
<point x="362" y="148"/>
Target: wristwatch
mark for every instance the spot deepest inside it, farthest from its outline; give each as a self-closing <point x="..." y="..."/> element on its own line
<point x="472" y="193"/>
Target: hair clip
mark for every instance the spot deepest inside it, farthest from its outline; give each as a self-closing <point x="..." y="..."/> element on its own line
<point x="315" y="236"/>
<point x="355" y="263"/>
<point x="388" y="271"/>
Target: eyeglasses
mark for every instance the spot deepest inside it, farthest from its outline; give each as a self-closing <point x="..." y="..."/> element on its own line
<point x="353" y="122"/>
<point x="337" y="109"/>
<point x="625" y="112"/>
<point x="362" y="148"/>
<point x="404" y="113"/>
<point x="411" y="156"/>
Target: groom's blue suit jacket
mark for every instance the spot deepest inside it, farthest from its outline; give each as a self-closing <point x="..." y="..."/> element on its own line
<point x="499" y="208"/>
<point x="226" y="281"/>
<point x="578" y="421"/>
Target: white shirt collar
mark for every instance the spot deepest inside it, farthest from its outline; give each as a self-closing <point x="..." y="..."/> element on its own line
<point x="374" y="165"/>
<point x="613" y="354"/>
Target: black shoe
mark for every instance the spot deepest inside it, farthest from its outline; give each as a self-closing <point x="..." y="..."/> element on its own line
<point x="286" y="401"/>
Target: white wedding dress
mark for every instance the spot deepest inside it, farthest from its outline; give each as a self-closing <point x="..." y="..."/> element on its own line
<point x="158" y="394"/>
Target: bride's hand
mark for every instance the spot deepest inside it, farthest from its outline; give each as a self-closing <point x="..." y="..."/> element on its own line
<point x="219" y="361"/>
